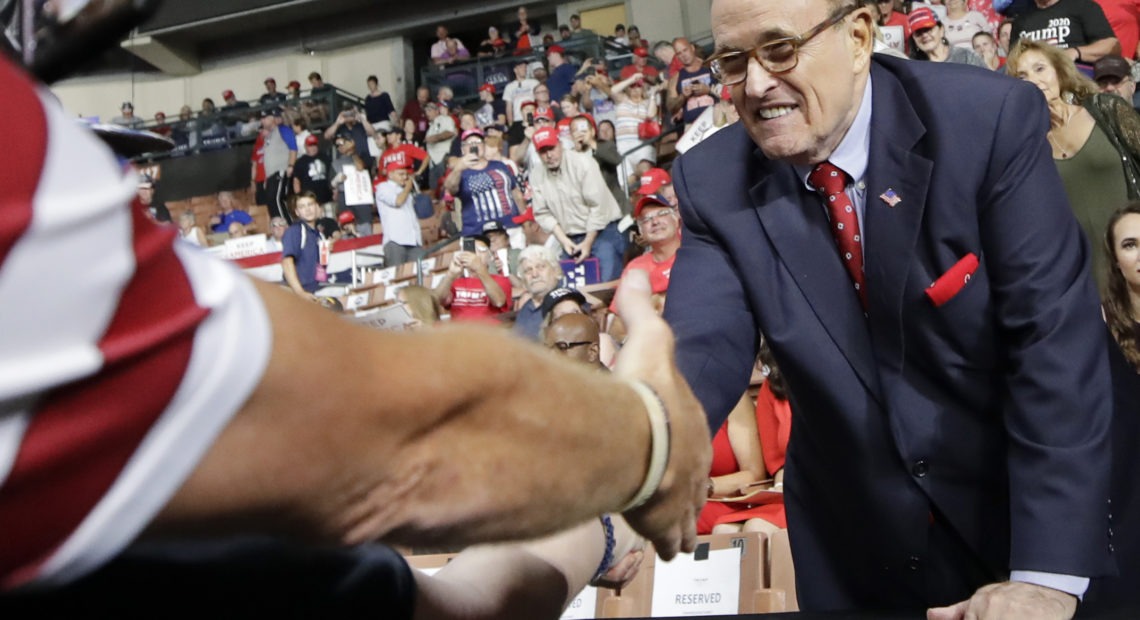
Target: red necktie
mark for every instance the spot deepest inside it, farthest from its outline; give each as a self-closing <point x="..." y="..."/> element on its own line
<point x="830" y="181"/>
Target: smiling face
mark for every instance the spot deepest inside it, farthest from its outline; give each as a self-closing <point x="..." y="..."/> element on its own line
<point x="799" y="115"/>
<point x="1126" y="245"/>
<point x="1035" y="68"/>
<point x="657" y="224"/>
<point x="929" y="39"/>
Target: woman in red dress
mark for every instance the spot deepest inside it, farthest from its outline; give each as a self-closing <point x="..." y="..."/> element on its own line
<point x="750" y="447"/>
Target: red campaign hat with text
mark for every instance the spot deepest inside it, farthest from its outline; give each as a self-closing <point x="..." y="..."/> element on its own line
<point x="922" y="17"/>
<point x="545" y="138"/>
<point x="547" y="113"/>
<point x="652" y="181"/>
<point x="396" y="164"/>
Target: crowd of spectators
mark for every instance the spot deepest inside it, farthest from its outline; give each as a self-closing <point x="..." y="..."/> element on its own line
<point x="564" y="165"/>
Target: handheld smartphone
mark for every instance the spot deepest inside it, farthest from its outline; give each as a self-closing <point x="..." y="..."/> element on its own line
<point x="530" y="118"/>
<point x="473" y="149"/>
<point x="467" y="244"/>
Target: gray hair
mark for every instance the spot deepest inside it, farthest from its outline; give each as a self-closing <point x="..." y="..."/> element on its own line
<point x="539" y="253"/>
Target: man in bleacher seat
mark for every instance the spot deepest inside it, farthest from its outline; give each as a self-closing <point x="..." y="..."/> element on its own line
<point x="229" y="213"/>
<point x="541" y="273"/>
<point x="469" y="290"/>
<point x="302" y="255"/>
<point x="575" y="336"/>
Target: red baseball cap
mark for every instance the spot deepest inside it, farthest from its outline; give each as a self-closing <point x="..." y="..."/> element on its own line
<point x="526" y="216"/>
<point x="527" y="102"/>
<point x="396" y="164"/>
<point x="268" y="80"/>
<point x="589" y="117"/>
<point x="653" y="200"/>
<point x="490" y="88"/>
<point x="312" y="140"/>
<point x="641" y="52"/>
<point x="346" y="217"/>
<point x="547" y="113"/>
<point x="555" y="48"/>
<point x="545" y="138"/>
<point x="295" y="84"/>
<point x="652" y="181"/>
<point x="922" y="17"/>
<point x="226" y="94"/>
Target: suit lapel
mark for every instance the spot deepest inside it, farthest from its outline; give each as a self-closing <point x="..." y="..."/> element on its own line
<point x="796" y="225"/>
<point x="895" y="173"/>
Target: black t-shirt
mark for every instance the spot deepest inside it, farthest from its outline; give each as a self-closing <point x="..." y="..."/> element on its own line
<point x="516" y="133"/>
<point x="1069" y="23"/>
<point x="248" y="577"/>
<point x="379" y="108"/>
<point x="326" y="226"/>
<point x="270" y="99"/>
<point x="313" y="172"/>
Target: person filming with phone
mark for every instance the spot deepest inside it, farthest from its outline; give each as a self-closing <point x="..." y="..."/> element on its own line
<point x="487" y="190"/>
<point x="469" y="290"/>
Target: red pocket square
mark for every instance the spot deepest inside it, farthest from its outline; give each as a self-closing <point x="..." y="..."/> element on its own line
<point x="947" y="286"/>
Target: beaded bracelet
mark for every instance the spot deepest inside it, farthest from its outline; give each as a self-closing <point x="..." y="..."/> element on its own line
<point x="659" y="443"/>
<point x="608" y="556"/>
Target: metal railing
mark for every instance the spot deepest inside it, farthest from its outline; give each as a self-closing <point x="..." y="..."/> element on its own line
<point x="227" y="127"/>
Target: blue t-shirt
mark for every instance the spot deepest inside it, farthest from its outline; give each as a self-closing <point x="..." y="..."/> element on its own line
<point x="561" y="80"/>
<point x="236" y="215"/>
<point x="302" y="242"/>
<point x="528" y="320"/>
<point x="485" y="196"/>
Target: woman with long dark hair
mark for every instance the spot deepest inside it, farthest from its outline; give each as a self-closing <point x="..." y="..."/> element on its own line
<point x="1121" y="249"/>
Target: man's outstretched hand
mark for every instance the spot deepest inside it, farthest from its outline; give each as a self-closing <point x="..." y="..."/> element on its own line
<point x="669" y="518"/>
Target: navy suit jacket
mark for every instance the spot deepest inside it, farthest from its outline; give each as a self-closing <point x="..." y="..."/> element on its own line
<point x="989" y="413"/>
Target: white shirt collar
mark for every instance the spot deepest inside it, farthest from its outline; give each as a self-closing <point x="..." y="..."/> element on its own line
<point x="854" y="149"/>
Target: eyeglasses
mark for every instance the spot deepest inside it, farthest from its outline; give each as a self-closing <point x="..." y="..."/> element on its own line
<point x="566" y="346"/>
<point x="776" y="56"/>
<point x="649" y="217"/>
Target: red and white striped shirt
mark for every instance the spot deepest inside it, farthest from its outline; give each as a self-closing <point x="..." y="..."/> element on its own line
<point x="123" y="353"/>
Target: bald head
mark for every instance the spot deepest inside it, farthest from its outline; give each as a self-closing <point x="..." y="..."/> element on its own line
<point x="575" y="335"/>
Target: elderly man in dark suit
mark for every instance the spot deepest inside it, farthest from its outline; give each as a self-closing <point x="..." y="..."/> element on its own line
<point x="902" y="240"/>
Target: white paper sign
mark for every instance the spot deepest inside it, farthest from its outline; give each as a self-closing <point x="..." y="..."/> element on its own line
<point x="585" y="605"/>
<point x="393" y="318"/>
<point x="686" y="587"/>
<point x="355" y="301"/>
<point x="894" y="37"/>
<point x="251" y="245"/>
<point x="428" y="264"/>
<point x="357" y="186"/>
<point x="385" y="276"/>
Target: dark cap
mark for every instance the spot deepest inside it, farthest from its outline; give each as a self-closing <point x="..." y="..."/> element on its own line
<point x="1113" y="66"/>
<point x="493" y="226"/>
<point x="553" y="298"/>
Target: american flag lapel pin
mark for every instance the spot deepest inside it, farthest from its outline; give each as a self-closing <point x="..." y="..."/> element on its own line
<point x="890" y="197"/>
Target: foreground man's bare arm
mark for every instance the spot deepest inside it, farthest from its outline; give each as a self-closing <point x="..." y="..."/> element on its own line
<point x="440" y="446"/>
